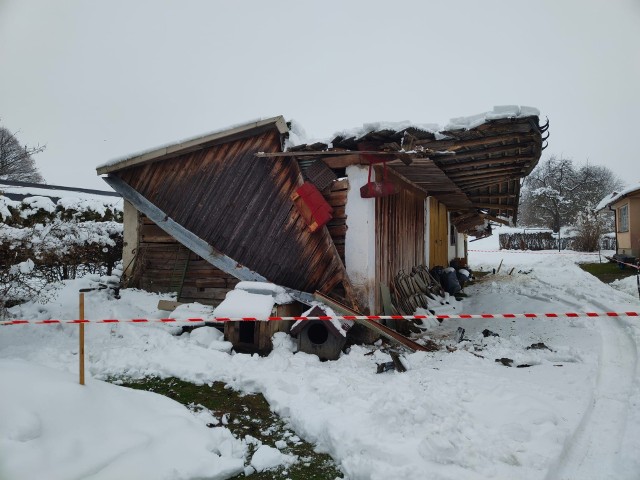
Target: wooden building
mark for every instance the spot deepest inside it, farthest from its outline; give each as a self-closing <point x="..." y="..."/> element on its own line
<point x="202" y="214"/>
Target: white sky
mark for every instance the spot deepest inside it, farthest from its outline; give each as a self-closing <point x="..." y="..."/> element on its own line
<point x="102" y="79"/>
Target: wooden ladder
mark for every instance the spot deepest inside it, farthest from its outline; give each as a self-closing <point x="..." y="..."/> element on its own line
<point x="179" y="270"/>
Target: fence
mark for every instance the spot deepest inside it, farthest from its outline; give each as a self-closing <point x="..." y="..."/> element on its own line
<point x="545" y="241"/>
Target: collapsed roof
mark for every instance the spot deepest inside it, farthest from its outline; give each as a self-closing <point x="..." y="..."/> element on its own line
<point x="473" y="166"/>
<point x="207" y="192"/>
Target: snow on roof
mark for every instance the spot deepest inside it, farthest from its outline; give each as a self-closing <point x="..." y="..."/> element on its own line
<point x="498" y="112"/>
<point x="615" y="196"/>
<point x="298" y="135"/>
<point x="176" y="146"/>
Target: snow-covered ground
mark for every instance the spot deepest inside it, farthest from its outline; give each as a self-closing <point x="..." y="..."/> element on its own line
<point x="571" y="411"/>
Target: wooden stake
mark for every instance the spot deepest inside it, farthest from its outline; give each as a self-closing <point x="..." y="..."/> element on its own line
<point x="81" y="339"/>
<point x="500" y="266"/>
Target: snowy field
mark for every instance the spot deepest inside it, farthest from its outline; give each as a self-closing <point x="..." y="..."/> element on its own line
<point x="571" y="411"/>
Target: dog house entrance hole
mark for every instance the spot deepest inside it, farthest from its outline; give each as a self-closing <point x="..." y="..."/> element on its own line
<point x="247" y="332"/>
<point x="318" y="333"/>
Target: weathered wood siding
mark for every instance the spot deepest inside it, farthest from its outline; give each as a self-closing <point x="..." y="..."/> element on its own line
<point x="337" y="198"/>
<point x="240" y="205"/>
<point x="399" y="235"/>
<point x="438" y="234"/>
<point x="162" y="268"/>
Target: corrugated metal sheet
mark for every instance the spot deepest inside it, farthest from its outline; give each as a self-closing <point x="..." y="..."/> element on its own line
<point x="240" y="205"/>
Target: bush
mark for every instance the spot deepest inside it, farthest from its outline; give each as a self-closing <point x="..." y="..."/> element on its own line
<point x="43" y="244"/>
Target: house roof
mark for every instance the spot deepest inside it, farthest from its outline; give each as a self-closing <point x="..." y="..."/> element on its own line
<point x="208" y="193"/>
<point x="473" y="166"/>
<point x="194" y="143"/>
<point x="617" y="196"/>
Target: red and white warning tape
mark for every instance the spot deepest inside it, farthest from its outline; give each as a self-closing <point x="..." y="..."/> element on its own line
<point x="328" y="318"/>
<point x="534" y="253"/>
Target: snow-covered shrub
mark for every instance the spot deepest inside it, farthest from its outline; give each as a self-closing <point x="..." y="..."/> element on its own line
<point x="43" y="243"/>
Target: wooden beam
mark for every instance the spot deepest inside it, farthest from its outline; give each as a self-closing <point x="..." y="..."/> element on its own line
<point x="484" y="171"/>
<point x="454" y="144"/>
<point x="481" y="184"/>
<point x="484" y="152"/>
<point x="192" y="241"/>
<point x="494" y="206"/>
<point x="490" y="196"/>
<point x="494" y="178"/>
<point x="343" y="161"/>
<point x="401" y="177"/>
<point x="497" y="220"/>
<point x="497" y="162"/>
<point x="341" y="156"/>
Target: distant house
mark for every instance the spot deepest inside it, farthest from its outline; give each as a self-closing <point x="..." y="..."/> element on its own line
<point x="626" y="207"/>
<point x="202" y="214"/>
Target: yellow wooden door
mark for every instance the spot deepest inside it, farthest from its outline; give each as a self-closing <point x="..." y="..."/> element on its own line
<point x="438" y="234"/>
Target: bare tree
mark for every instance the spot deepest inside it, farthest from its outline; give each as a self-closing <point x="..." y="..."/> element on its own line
<point x="557" y="192"/>
<point x="16" y="162"/>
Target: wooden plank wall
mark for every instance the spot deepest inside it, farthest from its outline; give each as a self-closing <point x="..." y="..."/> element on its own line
<point x="337" y="198"/>
<point x="203" y="282"/>
<point x="240" y="204"/>
<point x="438" y="234"/>
<point x="399" y="236"/>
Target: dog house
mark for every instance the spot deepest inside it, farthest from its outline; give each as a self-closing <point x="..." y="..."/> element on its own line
<point x="319" y="337"/>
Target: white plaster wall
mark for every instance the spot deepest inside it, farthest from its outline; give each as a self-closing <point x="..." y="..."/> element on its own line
<point x="460" y="245"/>
<point x="453" y="249"/>
<point x="360" y="240"/>
<point x="130" y="236"/>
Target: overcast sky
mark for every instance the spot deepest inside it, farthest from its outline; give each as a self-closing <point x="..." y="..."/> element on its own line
<point x="95" y="80"/>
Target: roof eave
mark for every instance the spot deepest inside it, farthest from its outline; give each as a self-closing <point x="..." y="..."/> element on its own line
<point x="195" y="143"/>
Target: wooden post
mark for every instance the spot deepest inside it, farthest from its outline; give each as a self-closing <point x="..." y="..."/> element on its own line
<point x="81" y="339"/>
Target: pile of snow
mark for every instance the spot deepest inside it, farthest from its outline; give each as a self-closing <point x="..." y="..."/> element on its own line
<point x="455" y="414"/>
<point x="628" y="285"/>
<point x="52" y="427"/>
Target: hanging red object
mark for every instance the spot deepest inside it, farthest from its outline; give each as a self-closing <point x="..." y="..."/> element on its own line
<point x="378" y="189"/>
<point x="312" y="206"/>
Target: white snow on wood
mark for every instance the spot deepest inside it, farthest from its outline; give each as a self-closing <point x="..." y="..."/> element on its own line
<point x="239" y="303"/>
<point x="465" y="123"/>
<point x="498" y="112"/>
<point x="279" y="293"/>
<point x="177" y="143"/>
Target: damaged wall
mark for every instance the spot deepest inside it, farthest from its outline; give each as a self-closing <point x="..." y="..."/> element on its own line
<point x="360" y="252"/>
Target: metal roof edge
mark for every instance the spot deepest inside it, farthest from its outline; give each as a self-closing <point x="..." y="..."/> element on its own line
<point x="191" y="143"/>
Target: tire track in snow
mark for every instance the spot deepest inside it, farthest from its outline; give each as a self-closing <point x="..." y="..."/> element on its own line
<point x="591" y="452"/>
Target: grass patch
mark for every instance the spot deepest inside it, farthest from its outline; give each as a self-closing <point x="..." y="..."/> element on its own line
<point x="246" y="415"/>
<point x="607" y="272"/>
